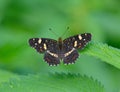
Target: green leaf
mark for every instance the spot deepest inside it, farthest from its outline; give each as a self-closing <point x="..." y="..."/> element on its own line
<point x="58" y="82"/>
<point x="5" y="76"/>
<point x="104" y="52"/>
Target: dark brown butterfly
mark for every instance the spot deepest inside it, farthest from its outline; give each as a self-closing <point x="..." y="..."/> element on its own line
<point x="65" y="50"/>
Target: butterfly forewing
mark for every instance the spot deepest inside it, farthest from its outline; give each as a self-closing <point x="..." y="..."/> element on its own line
<point x="49" y="47"/>
<point x="77" y="41"/>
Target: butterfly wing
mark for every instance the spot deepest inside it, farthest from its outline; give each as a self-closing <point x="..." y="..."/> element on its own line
<point x="71" y="44"/>
<point x="47" y="46"/>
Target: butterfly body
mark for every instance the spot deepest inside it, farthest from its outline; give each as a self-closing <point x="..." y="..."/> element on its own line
<point x="60" y="43"/>
<point x="65" y="50"/>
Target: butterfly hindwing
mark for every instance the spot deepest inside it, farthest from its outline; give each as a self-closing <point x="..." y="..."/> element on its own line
<point x="47" y="46"/>
<point x="70" y="57"/>
<point x="51" y="58"/>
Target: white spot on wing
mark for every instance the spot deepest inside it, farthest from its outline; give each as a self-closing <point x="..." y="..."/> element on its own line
<point x="39" y="41"/>
<point x="52" y="54"/>
<point x="80" y="37"/>
<point x="46" y="40"/>
<point x="35" y="43"/>
<point x="68" y="53"/>
<point x="73" y="38"/>
<point x="75" y="44"/>
<point x="44" y="45"/>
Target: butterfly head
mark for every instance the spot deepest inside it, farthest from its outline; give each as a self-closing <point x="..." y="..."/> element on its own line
<point x="60" y="39"/>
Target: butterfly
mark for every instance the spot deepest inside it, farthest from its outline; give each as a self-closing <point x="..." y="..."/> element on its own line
<point x="65" y="50"/>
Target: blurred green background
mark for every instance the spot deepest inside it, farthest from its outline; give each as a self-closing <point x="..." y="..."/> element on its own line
<point x="24" y="19"/>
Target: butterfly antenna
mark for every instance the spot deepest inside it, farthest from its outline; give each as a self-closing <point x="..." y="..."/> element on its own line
<point x="53" y="32"/>
<point x="65" y="32"/>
